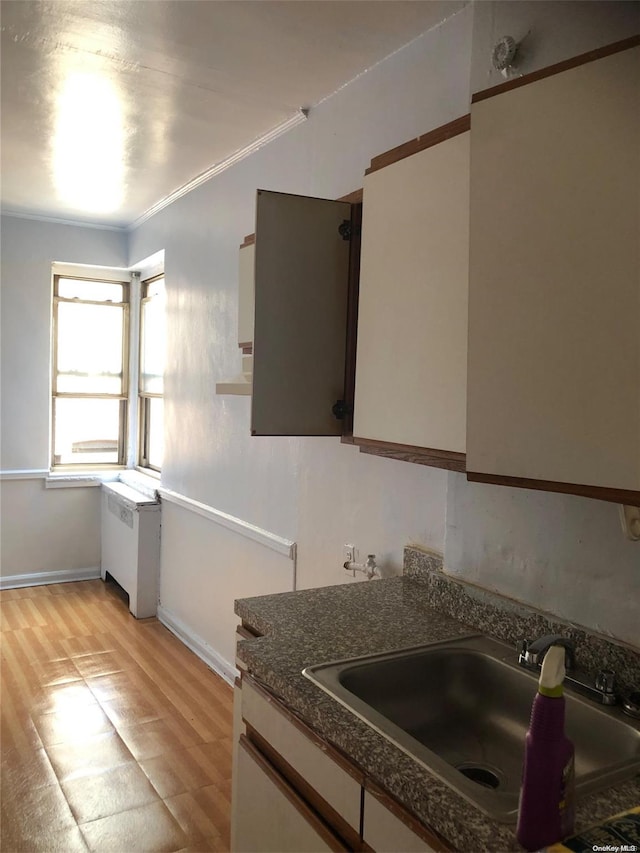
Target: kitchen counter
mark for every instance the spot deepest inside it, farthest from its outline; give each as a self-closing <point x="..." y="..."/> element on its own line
<point x="319" y="625"/>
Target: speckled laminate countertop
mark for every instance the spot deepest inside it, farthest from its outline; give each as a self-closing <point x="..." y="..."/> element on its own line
<point x="315" y="626"/>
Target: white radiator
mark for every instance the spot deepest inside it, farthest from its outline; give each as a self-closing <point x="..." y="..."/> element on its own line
<point x="131" y="545"/>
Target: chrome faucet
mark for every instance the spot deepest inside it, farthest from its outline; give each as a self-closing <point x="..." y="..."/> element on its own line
<point x="601" y="688"/>
<point x="531" y="656"/>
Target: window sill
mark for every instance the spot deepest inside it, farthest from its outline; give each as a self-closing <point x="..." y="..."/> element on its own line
<point x="140" y="478"/>
<point x="145" y="481"/>
<point x="77" y="480"/>
<point x="148" y="472"/>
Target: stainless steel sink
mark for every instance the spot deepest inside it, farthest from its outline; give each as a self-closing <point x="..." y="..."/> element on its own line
<point x="461" y="708"/>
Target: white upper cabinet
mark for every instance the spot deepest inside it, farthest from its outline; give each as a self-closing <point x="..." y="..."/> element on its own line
<point x="241" y="383"/>
<point x="554" y="310"/>
<point x="411" y="364"/>
<point x="246" y="263"/>
<point x="301" y="294"/>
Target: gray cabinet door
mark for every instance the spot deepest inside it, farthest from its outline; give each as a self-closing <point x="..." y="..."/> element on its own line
<point x="301" y="288"/>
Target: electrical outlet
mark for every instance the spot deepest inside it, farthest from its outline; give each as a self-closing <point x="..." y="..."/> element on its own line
<point x="349" y="553"/>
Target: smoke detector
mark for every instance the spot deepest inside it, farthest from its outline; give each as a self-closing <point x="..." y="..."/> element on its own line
<point x="504" y="54"/>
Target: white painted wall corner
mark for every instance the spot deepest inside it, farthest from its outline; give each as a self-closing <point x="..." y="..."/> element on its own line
<point x="198" y="646"/>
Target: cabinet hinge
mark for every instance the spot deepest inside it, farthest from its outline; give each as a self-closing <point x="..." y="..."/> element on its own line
<point x="340" y="410"/>
<point x="346" y="230"/>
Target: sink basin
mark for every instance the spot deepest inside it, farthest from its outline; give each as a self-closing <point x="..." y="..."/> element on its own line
<point x="461" y="708"/>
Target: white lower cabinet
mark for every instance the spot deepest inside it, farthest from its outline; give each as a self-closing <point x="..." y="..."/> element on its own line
<point x="270" y="817"/>
<point x="384" y="832"/>
<point x="287" y="742"/>
<point x="293" y="792"/>
<point x="238" y="731"/>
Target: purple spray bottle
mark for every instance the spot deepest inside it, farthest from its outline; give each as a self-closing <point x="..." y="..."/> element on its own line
<point x="546" y="812"/>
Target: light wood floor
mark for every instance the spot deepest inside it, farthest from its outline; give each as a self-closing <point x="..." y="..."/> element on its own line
<point x="114" y="735"/>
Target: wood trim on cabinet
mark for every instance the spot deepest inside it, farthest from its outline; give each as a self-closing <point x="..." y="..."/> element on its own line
<point x="427" y="140"/>
<point x="451" y="460"/>
<point x="558" y="68"/>
<point x="337" y="757"/>
<point x="353" y="198"/>
<point x="310" y="816"/>
<point x="353" y="293"/>
<point x="309" y="795"/>
<point x="602" y="493"/>
<point x="429" y="836"/>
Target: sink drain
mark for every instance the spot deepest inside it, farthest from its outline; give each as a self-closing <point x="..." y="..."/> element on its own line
<point x="480" y="775"/>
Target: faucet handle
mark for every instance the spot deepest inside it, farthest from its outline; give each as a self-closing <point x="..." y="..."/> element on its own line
<point x="371" y="567"/>
<point x="606" y="681"/>
<point x="527" y="657"/>
<point x="531" y="654"/>
<point x="541" y="646"/>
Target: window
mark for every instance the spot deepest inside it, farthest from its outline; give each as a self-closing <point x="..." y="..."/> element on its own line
<point x="151" y="375"/>
<point x="89" y="383"/>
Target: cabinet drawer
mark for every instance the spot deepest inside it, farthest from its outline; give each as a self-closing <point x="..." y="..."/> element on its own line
<point x="387" y="827"/>
<point x="271" y="817"/>
<point x="336" y="783"/>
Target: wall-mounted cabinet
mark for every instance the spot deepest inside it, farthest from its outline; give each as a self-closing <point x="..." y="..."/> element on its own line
<point x="494" y="292"/>
<point x="242" y="383"/>
<point x="411" y="367"/>
<point x="302" y="253"/>
<point x="246" y="280"/>
<point x="554" y="311"/>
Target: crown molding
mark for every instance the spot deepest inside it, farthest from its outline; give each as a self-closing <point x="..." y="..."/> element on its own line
<point x="54" y="220"/>
<point x="299" y="117"/>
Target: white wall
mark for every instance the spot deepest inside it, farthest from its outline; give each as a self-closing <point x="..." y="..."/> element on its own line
<point x="216" y="566"/>
<point x="560" y="553"/>
<point x="564" y="554"/>
<point x="48" y="530"/>
<point x="312" y="490"/>
<point x="41" y="530"/>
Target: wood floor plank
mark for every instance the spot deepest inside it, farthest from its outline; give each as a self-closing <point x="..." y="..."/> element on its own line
<point x="74" y="651"/>
<point x="23" y="592"/>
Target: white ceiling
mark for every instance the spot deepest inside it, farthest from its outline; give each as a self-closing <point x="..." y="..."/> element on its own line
<point x="108" y="106"/>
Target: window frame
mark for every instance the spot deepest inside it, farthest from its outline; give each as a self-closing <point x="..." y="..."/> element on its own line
<point x="123" y="397"/>
<point x="145" y="397"/>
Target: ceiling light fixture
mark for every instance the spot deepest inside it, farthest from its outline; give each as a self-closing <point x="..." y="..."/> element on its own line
<point x="88" y="144"/>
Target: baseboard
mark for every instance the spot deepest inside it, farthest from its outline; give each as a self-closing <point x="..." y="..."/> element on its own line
<point x="198" y="646"/>
<point x="45" y="578"/>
